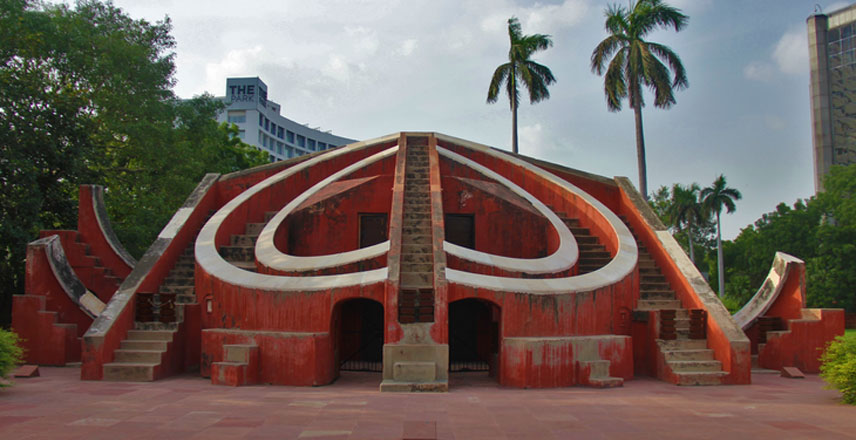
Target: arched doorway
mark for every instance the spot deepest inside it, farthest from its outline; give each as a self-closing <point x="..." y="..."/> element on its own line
<point x="473" y="336"/>
<point x="358" y="327"/>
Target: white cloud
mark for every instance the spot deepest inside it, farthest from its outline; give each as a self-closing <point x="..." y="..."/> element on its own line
<point x="791" y="52"/>
<point x="237" y="62"/>
<point x="759" y="71"/>
<point x="691" y="7"/>
<point x="407" y="47"/>
<point x="789" y="56"/>
<point x="539" y="18"/>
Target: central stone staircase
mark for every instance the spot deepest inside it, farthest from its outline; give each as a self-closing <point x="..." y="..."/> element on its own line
<point x="419" y="364"/>
<point x="593" y="255"/>
<point x="241" y="249"/>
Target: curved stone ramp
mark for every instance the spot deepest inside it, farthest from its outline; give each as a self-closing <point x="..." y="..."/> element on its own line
<point x="784" y="266"/>
<point x="209" y="259"/>
<point x="51" y="335"/>
<point x="269" y="256"/>
<point x="782" y="332"/>
<point x="621" y="265"/>
<point x="124" y="261"/>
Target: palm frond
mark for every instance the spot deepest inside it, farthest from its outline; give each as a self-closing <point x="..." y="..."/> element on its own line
<point x="603" y="51"/>
<point x="614" y="83"/>
<point x="674" y="61"/>
<point x="499" y="76"/>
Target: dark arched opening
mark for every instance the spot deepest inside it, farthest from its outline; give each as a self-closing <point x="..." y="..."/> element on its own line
<point x="358" y="327"/>
<point x="473" y="336"/>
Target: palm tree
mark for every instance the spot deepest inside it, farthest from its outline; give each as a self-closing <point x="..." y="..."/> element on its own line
<point x="713" y="199"/>
<point x="520" y="69"/>
<point x="685" y="209"/>
<point x="636" y="63"/>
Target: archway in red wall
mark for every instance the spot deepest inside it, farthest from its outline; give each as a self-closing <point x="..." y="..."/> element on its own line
<point x="474" y="327"/>
<point x="358" y="332"/>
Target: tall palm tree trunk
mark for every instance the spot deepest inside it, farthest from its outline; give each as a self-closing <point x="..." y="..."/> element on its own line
<point x="721" y="264"/>
<point x="690" y="238"/>
<point x="513" y="127"/>
<point x="640" y="151"/>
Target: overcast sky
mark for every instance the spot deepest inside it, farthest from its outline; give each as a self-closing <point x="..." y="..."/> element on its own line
<point x="366" y="68"/>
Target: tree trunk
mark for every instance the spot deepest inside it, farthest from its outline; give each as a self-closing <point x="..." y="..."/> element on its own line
<point x="640" y="151"/>
<point x="513" y="127"/>
<point x="690" y="238"/>
<point x="721" y="264"/>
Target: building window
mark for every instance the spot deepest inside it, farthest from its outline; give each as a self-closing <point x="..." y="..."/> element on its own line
<point x="311" y="144"/>
<point x="236" y="117"/>
<point x="279" y="132"/>
<point x="264" y="140"/>
<point x="273" y="128"/>
<point x="301" y="141"/>
<point x="261" y="120"/>
<point x="267" y="124"/>
<point x="271" y="158"/>
<point x="242" y="134"/>
<point x="322" y="146"/>
<point x="279" y="148"/>
<point x="289" y="136"/>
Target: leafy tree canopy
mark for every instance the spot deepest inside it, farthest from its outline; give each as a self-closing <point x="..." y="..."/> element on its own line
<point x="86" y="97"/>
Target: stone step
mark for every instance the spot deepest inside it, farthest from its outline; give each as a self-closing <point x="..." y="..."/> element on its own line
<point x="416" y="258"/>
<point x="682" y="344"/>
<point x="185" y="299"/>
<point x="569" y="222"/>
<point x="411" y="216"/>
<point x="580" y="231"/>
<point x="606" y="382"/>
<point x="417" y="208"/>
<point x="653" y="286"/>
<point x="150" y="335"/>
<point x="411" y="229"/>
<point x="143" y="345"/>
<point x="658" y="295"/>
<point x="416" y="239"/>
<point x="408" y="248"/>
<point x="178" y="281"/>
<point x="182" y="272"/>
<point x="185" y="289"/>
<point x="240" y="253"/>
<point x="414" y="174"/>
<point x="130" y="372"/>
<point x="592" y="261"/>
<point x="137" y="356"/>
<point x="591" y="247"/>
<point x="659" y="278"/>
<point x="243" y="240"/>
<point x="592" y="255"/>
<point x="254" y="228"/>
<point x="701" y="378"/>
<point x="700" y="354"/>
<point x="416" y="279"/>
<point x="157" y="325"/>
<point x="658" y="304"/>
<point x="417" y="267"/>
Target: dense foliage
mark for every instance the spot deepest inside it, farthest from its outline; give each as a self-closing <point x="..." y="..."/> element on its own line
<point x="86" y="97"/>
<point x="821" y="231"/>
<point x="838" y="367"/>
<point x="11" y="354"/>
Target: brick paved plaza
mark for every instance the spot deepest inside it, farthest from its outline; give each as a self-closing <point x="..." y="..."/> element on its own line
<point x="58" y="405"/>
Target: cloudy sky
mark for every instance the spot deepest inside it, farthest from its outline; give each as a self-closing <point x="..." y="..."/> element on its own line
<point x="365" y="68"/>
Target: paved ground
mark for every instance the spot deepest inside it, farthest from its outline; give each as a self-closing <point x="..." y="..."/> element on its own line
<point x="59" y="406"/>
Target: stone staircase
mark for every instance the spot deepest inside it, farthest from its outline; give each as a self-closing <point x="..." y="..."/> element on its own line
<point x="419" y="365"/>
<point x="416" y="299"/>
<point x="689" y="359"/>
<point x="143" y="355"/>
<point x="242" y="247"/>
<point x="98" y="279"/>
<point x="593" y="255"/>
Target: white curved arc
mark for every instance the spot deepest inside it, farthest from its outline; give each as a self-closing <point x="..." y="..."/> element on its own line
<point x="269" y="256"/>
<point x="563" y="258"/>
<point x="210" y="260"/>
<point x="618" y="268"/>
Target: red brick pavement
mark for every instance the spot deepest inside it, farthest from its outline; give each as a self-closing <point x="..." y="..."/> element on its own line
<point x="59" y="406"/>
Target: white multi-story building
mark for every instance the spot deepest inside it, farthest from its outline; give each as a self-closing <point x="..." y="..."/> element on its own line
<point x="261" y="125"/>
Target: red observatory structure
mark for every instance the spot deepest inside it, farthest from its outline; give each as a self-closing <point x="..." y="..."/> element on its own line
<point x="415" y="255"/>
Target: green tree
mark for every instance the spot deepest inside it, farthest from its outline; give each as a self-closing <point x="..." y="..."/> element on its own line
<point x="86" y="97"/>
<point x="685" y="210"/>
<point x="713" y="199"/>
<point x="520" y="69"/>
<point x="636" y="63"/>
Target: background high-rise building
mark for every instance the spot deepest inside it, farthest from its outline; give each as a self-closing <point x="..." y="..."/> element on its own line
<point x="260" y="124"/>
<point x="832" y="57"/>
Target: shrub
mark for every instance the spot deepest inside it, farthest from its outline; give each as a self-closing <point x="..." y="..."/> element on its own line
<point x="11" y="353"/>
<point x="839" y="367"/>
